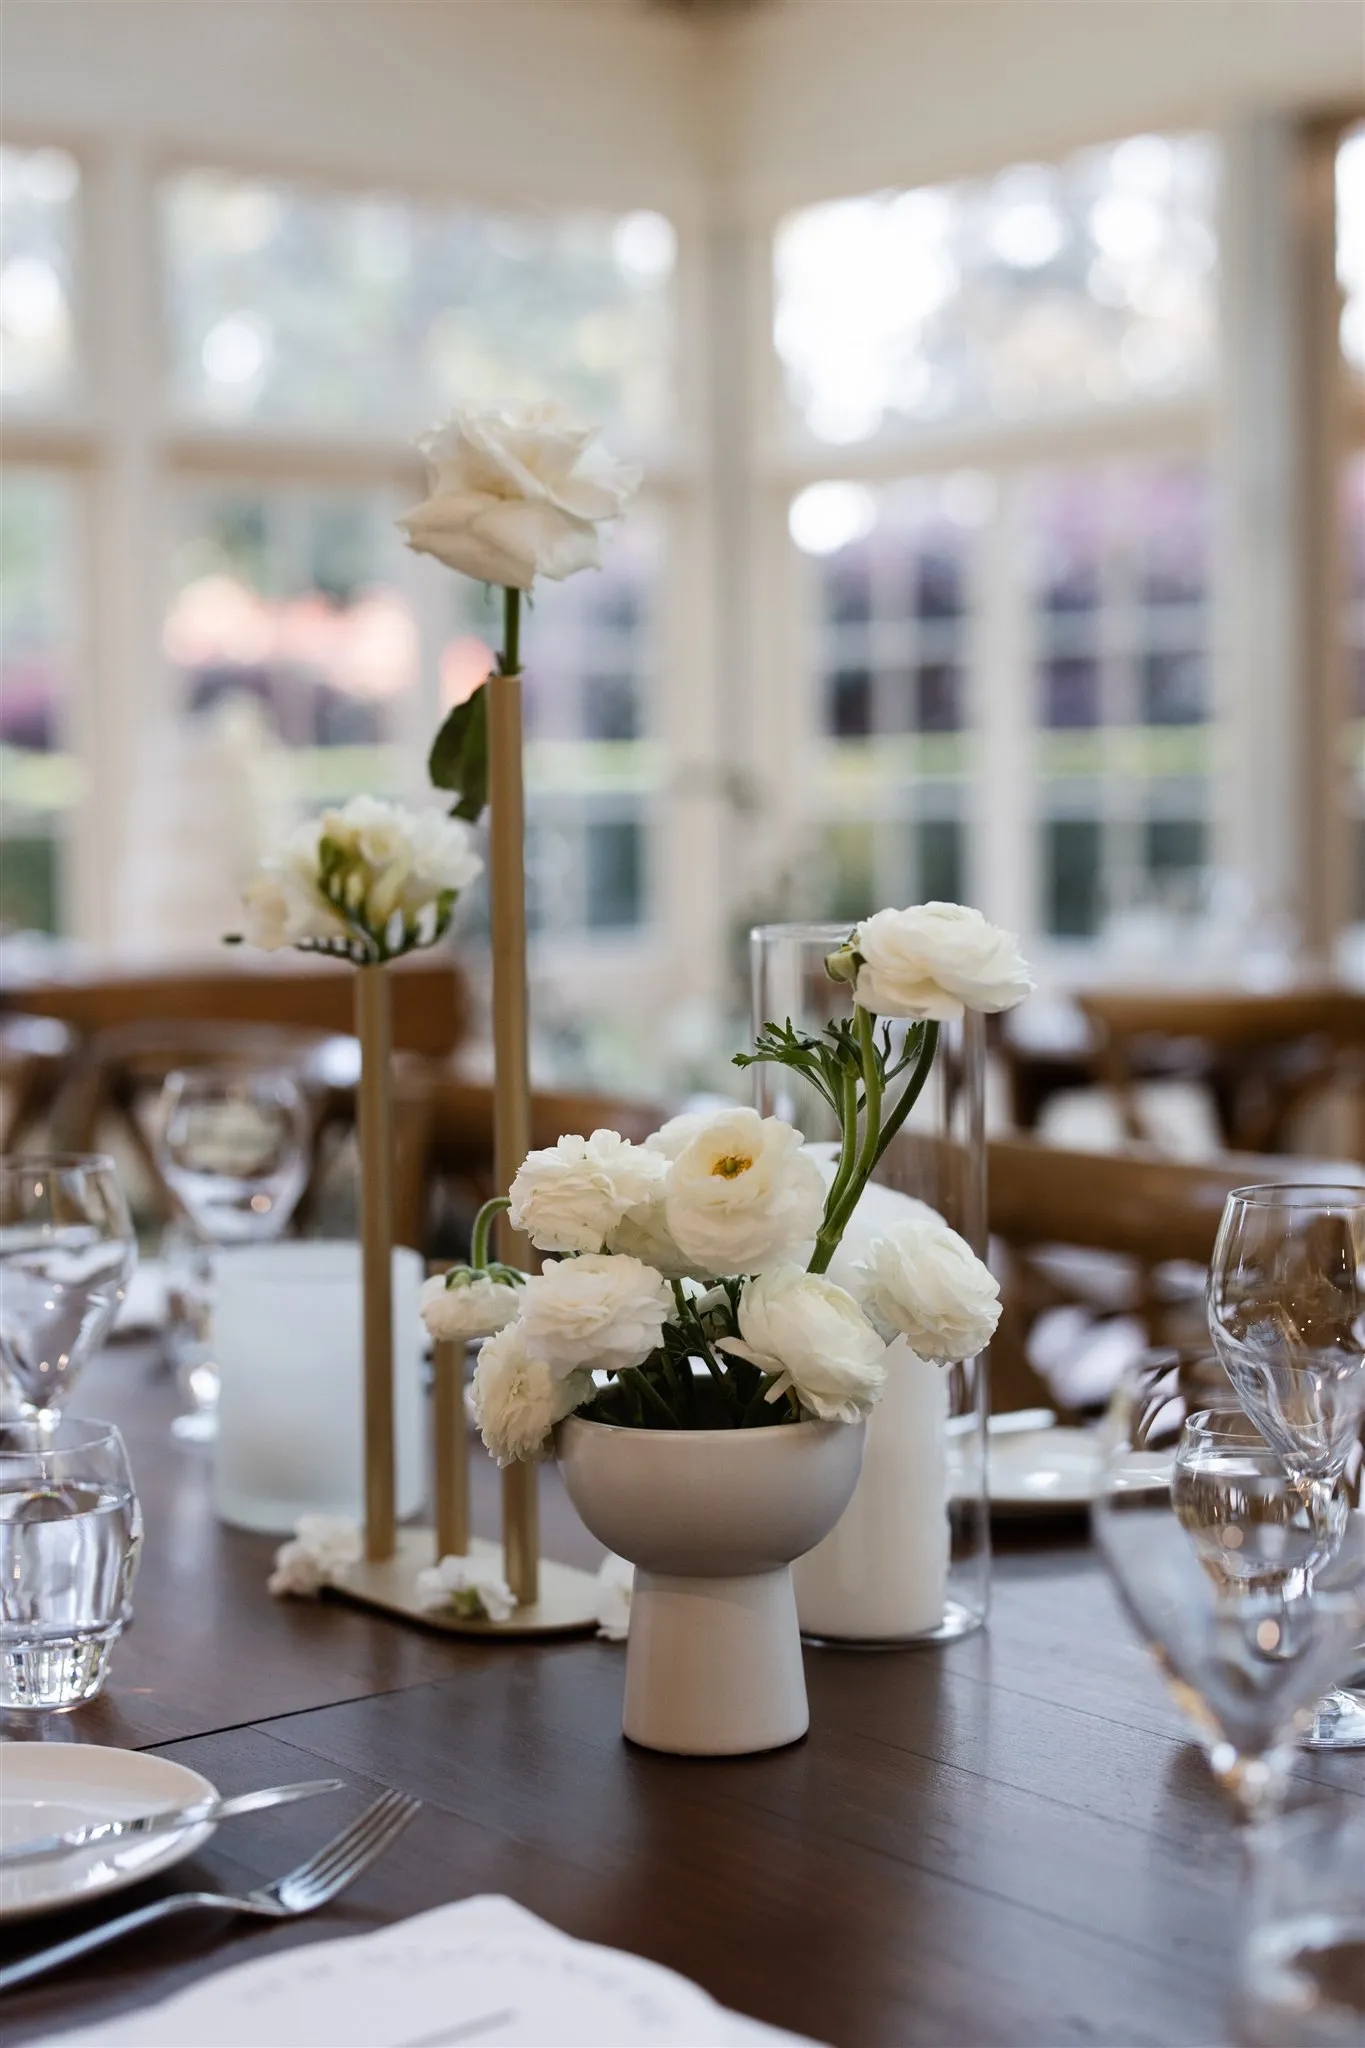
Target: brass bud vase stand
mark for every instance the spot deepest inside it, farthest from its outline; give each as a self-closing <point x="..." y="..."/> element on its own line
<point x="552" y="1599"/>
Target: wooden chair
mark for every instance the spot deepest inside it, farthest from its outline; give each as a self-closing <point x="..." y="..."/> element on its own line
<point x="36" y="1054"/>
<point x="1154" y="1212"/>
<point x="1264" y="1058"/>
<point x="430" y="1000"/>
<point x="119" y="1072"/>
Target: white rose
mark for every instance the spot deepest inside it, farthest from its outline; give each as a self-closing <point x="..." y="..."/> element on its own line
<point x="517" y="1400"/>
<point x="464" y="1304"/>
<point x="605" y="1310"/>
<point x="936" y="960"/>
<point x="923" y="1281"/>
<point x="518" y="495"/>
<point x="742" y="1193"/>
<point x="570" y="1196"/>
<point x="813" y="1333"/>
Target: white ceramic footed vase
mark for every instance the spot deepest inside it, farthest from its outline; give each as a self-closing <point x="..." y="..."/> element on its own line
<point x="711" y="1520"/>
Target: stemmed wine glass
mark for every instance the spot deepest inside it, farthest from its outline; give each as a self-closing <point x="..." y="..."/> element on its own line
<point x="1286" y="1308"/>
<point x="67" y="1251"/>
<point x="233" y="1149"/>
<point x="1248" y="1603"/>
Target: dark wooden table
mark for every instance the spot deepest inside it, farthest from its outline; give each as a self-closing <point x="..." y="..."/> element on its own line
<point x="1011" y="1841"/>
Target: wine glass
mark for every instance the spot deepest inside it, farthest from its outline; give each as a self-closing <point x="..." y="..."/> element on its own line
<point x="1249" y="1602"/>
<point x="233" y="1149"/>
<point x="67" y="1250"/>
<point x="1286" y="1308"/>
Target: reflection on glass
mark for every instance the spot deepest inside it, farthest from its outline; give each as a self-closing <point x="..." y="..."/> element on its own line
<point x="324" y="308"/>
<point x="39" y="197"/>
<point x="1047" y="285"/>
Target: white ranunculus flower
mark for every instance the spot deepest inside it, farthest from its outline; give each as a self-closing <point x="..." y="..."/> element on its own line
<point x="605" y="1311"/>
<point x="742" y="1193"/>
<point x="517" y="1400"/>
<point x="643" y="1234"/>
<point x="936" y="960"/>
<point x="923" y="1281"/>
<point x="677" y="1134"/>
<point x="464" y="1304"/>
<point x="516" y="495"/>
<point x="571" y="1196"/>
<point x="803" y="1327"/>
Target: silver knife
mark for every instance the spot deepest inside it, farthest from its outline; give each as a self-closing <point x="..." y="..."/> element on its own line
<point x="168" y="1822"/>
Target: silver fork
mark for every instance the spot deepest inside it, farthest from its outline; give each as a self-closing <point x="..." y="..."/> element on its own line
<point x="315" y="1883"/>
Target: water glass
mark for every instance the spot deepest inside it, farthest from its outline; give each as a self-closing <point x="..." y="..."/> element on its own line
<point x="70" y="1534"/>
<point x="1286" y="1309"/>
<point x="233" y="1149"/>
<point x="67" y="1251"/>
<point x="1301" y="1974"/>
<point x="1250" y="1604"/>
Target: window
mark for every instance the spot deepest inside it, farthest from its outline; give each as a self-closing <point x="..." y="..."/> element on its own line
<point x="1046" y="288"/>
<point x="39" y="195"/>
<point x="363" y="311"/>
<point x="1119" y="584"/>
<point x="892" y="572"/>
<point x="39" y="777"/>
<point x="290" y="599"/>
<point x="593" y="767"/>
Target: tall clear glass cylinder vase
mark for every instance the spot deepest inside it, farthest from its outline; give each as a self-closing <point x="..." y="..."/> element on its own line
<point x="909" y="1562"/>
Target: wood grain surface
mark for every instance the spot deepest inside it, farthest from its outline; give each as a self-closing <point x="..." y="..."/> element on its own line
<point x="1010" y="1841"/>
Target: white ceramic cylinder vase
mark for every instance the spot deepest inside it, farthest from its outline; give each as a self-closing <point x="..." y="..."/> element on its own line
<point x="287" y="1327"/>
<point x="711" y="1519"/>
<point x="909" y="1560"/>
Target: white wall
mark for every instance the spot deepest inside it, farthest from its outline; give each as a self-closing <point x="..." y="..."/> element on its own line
<point x="584" y="100"/>
<point x="830" y="96"/>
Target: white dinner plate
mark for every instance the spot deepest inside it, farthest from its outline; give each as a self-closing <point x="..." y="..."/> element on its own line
<point x="1055" y="1471"/>
<point x="48" y="1787"/>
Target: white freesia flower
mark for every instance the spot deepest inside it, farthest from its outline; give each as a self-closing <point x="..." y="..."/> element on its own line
<point x="570" y="1196"/>
<point x="472" y="1586"/>
<point x="370" y="879"/>
<point x="516" y="495"/>
<point x="812" y="1333"/>
<point x="516" y="1398"/>
<point x="605" y="1311"/>
<point x="936" y="960"/>
<point x="923" y="1281"/>
<point x="742" y="1193"/>
<point x="615" y="1584"/>
<point x="465" y="1303"/>
<point x="321" y="1546"/>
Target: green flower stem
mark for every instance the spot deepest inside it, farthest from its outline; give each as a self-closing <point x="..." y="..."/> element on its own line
<point x="638" y="1384"/>
<point x="510" y="664"/>
<point x="838" y="1212"/>
<point x="483" y="1225"/>
<point x="913" y="1089"/>
<point x="847" y="1109"/>
<point x="691" y="1322"/>
<point x="755" y="1411"/>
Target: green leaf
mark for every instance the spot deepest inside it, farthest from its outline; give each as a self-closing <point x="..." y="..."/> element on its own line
<point x="458" y="759"/>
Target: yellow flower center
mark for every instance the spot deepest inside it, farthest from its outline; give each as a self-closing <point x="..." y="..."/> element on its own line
<point x="731" y="1166"/>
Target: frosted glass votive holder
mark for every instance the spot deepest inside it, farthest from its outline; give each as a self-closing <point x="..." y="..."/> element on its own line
<point x="288" y="1327"/>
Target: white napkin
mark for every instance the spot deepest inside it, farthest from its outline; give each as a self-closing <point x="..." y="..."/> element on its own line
<point x="483" y="1971"/>
<point x="145" y="1304"/>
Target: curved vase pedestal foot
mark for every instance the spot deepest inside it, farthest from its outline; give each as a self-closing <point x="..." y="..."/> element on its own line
<point x="714" y="1666"/>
